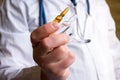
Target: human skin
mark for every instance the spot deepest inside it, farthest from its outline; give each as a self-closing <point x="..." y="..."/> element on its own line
<point x="51" y="53"/>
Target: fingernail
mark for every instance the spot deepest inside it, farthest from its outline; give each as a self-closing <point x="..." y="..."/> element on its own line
<point x="55" y="25"/>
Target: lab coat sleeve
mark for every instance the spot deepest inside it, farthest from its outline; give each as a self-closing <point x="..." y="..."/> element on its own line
<point x="16" y="62"/>
<point x="114" y="44"/>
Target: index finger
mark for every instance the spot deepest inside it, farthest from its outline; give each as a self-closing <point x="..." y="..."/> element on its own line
<point x="43" y="31"/>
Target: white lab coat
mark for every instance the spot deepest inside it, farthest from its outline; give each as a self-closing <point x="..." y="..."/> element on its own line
<point x="97" y="60"/>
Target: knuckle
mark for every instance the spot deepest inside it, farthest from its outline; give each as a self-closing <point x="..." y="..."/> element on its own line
<point x="71" y="57"/>
<point x="68" y="60"/>
<point x="45" y="43"/>
<point x="63" y="49"/>
<point x="65" y="38"/>
<point x="65" y="64"/>
<point x="63" y="74"/>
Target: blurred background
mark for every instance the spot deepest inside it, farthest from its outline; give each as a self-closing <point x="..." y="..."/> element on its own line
<point x="115" y="10"/>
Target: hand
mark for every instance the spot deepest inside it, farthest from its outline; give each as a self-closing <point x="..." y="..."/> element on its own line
<point x="50" y="52"/>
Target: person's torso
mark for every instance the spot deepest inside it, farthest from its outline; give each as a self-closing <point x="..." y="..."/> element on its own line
<point x="93" y="60"/>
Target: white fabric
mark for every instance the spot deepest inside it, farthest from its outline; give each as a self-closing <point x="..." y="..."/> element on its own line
<point x="97" y="60"/>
